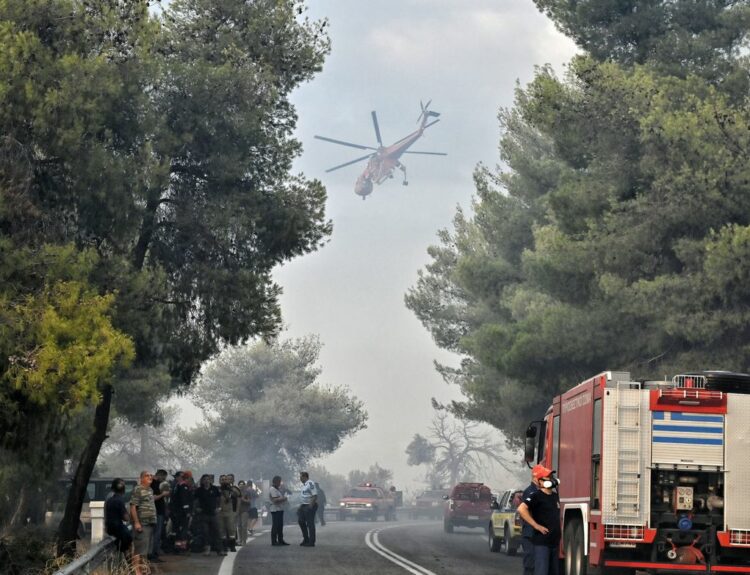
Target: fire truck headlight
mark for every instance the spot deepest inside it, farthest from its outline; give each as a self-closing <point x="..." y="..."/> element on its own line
<point x="368" y="504"/>
<point x="342" y="504"/>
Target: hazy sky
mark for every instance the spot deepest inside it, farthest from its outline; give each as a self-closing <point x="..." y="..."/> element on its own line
<point x="467" y="56"/>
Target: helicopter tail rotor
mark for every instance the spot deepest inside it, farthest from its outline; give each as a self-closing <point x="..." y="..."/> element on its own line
<point x="426" y="112"/>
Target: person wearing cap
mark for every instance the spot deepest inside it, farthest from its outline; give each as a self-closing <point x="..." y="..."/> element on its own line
<point x="541" y="510"/>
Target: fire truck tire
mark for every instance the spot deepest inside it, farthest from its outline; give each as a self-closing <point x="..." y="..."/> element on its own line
<point x="495" y="542"/>
<point x="618" y="571"/>
<point x="510" y="550"/>
<point x="575" y="554"/>
<point x="582" y="561"/>
<point x="447" y="526"/>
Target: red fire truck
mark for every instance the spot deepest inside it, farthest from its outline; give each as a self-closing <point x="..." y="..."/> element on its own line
<point x="654" y="475"/>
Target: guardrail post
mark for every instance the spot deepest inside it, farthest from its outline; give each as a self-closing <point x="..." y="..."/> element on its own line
<point x="97" y="521"/>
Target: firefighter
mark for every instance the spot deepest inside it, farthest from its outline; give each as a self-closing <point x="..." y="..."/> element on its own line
<point x="541" y="510"/>
<point x="527" y="530"/>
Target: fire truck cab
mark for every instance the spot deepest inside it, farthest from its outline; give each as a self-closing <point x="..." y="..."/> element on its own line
<point x="654" y="475"/>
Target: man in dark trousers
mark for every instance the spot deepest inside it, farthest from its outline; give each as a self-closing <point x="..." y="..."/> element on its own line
<point x="116" y="517"/>
<point x="321" y="513"/>
<point x="278" y="502"/>
<point x="527" y="530"/>
<point x="182" y="508"/>
<point x="541" y="510"/>
<point x="207" y="502"/>
<point x="160" y="487"/>
<point x="306" y="512"/>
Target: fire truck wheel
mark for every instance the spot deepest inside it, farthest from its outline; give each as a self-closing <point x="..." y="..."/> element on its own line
<point x="509" y="548"/>
<point x="575" y="554"/>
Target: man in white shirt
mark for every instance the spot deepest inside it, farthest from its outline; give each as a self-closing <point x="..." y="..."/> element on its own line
<point x="306" y="512"/>
<point x="278" y="502"/>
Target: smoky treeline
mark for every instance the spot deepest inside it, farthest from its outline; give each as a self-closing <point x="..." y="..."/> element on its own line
<point x="263" y="411"/>
<point x="615" y="232"/>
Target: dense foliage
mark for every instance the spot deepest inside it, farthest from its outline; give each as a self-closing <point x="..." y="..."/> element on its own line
<point x="157" y="146"/>
<point x="616" y="235"/>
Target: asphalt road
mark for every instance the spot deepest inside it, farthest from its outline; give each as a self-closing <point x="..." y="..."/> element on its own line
<point x="359" y="548"/>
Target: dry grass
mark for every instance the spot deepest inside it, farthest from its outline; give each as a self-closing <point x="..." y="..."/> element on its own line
<point x="31" y="551"/>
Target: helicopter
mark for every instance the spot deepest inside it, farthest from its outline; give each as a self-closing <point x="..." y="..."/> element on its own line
<point x="384" y="159"/>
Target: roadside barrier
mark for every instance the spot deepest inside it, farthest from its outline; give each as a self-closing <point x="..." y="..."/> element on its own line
<point x="92" y="559"/>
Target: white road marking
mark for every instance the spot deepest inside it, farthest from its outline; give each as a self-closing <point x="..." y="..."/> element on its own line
<point x="227" y="565"/>
<point x="373" y="542"/>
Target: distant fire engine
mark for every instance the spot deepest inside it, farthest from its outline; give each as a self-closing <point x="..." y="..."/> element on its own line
<point x="654" y="475"/>
<point x="368" y="501"/>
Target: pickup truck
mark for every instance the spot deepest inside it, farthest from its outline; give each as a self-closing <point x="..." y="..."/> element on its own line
<point x="368" y="501"/>
<point x="505" y="524"/>
<point x="468" y="506"/>
<point x="429" y="504"/>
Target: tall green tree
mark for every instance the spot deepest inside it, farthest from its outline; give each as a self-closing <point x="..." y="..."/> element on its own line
<point x="611" y="240"/>
<point x="162" y="142"/>
<point x="690" y="36"/>
<point x="58" y="345"/>
<point x="267" y="414"/>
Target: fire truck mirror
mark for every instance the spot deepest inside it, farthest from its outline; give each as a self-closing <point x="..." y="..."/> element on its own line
<point x="530" y="445"/>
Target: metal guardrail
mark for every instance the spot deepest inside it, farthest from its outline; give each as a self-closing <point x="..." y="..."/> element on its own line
<point x="90" y="560"/>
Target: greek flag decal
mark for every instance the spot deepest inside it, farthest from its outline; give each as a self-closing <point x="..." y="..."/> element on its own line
<point x="674" y="427"/>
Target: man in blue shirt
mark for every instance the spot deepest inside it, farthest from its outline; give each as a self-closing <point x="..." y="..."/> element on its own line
<point x="527" y="531"/>
<point x="306" y="512"/>
<point x="542" y="511"/>
<point x="116" y="516"/>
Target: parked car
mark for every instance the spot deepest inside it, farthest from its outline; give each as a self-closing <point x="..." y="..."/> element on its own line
<point x="469" y="505"/>
<point x="429" y="504"/>
<point x="504" y="529"/>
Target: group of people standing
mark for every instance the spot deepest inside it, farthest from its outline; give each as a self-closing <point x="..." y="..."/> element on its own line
<point x="205" y="517"/>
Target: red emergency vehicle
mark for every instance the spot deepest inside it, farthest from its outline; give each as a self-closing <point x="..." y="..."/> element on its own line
<point x="654" y="475"/>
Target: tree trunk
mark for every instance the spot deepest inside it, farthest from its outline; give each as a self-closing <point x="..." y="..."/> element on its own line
<point x="19" y="516"/>
<point x="68" y="530"/>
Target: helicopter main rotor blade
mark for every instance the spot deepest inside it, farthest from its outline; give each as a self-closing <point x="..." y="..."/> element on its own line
<point x="351" y="145"/>
<point x="427" y="153"/>
<point x="349" y="163"/>
<point x="377" y="128"/>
